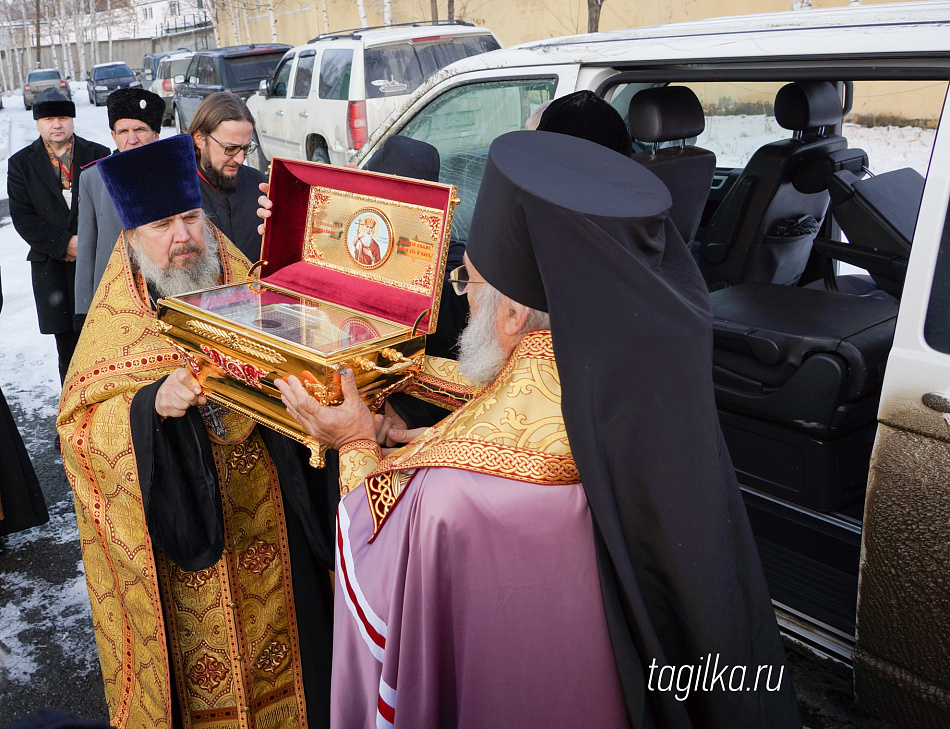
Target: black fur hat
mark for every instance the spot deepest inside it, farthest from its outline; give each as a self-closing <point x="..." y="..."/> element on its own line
<point x="52" y="102"/>
<point x="136" y="104"/>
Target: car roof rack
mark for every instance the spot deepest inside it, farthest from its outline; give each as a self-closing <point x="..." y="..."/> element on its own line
<point x="356" y="33"/>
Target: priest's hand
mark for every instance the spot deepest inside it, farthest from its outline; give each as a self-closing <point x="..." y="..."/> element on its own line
<point x="177" y="393"/>
<point x="335" y="425"/>
<point x="265" y="203"/>
<point x="387" y="423"/>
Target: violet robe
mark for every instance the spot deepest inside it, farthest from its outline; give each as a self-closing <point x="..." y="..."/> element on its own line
<point x="477" y="605"/>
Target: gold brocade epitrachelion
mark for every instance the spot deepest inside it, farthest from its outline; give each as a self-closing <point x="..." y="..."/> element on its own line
<point x="512" y="428"/>
<point x="231" y="628"/>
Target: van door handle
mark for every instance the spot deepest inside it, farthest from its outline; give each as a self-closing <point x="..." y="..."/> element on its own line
<point x="937" y="401"/>
<point x="304" y="114"/>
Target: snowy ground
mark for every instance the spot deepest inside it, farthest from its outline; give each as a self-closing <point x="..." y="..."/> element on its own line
<point x="45" y="629"/>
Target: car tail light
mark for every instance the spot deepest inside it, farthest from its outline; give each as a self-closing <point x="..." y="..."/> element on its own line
<point x="356" y="124"/>
<point x="26" y="87"/>
<point x="426" y="39"/>
<point x="167" y="85"/>
<point x="62" y="84"/>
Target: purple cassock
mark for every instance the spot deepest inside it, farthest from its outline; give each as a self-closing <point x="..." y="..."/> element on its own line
<point x="477" y="605"/>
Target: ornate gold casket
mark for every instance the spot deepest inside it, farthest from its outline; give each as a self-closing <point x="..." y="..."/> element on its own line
<point x="350" y="277"/>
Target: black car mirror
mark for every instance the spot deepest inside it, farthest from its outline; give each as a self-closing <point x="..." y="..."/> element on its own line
<point x="179" y="79"/>
<point x="192" y="79"/>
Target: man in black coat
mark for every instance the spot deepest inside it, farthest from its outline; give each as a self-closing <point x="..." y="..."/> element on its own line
<point x="222" y="130"/>
<point x="41" y="180"/>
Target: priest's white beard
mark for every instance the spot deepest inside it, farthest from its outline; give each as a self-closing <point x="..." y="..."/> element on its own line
<point x="481" y="355"/>
<point x="173" y="281"/>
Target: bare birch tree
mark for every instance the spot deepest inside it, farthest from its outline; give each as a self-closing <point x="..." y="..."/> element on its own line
<point x="387" y="12"/>
<point x="450" y="6"/>
<point x="593" y="15"/>
<point x="64" y="41"/>
<point x="247" y="23"/>
<point x="272" y="16"/>
<point x="435" y="10"/>
<point x="326" y="19"/>
<point x="361" y="7"/>
<point x="80" y="42"/>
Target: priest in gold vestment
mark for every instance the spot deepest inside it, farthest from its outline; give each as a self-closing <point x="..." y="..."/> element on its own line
<point x="205" y="542"/>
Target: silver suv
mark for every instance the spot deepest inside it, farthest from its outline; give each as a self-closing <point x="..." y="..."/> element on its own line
<point x="328" y="95"/>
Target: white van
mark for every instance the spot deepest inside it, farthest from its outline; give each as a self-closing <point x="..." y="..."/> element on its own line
<point x="328" y="95"/>
<point x="835" y="404"/>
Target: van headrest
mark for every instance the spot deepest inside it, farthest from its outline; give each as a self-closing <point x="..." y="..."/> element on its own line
<point x="806" y="105"/>
<point x="665" y="113"/>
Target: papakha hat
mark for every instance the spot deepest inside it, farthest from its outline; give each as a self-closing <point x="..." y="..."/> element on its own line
<point x="52" y="102"/>
<point x="154" y="181"/>
<point x="136" y="104"/>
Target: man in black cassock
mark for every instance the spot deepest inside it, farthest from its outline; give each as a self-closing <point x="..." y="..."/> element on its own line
<point x="682" y="584"/>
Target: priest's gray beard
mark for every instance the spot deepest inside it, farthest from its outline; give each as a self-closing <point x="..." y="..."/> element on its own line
<point x="172" y="281"/>
<point x="481" y="355"/>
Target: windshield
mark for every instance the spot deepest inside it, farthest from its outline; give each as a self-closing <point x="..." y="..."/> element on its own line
<point x="112" y="72"/>
<point x="402" y="67"/>
<point x="247" y="71"/>
<point x="43" y="76"/>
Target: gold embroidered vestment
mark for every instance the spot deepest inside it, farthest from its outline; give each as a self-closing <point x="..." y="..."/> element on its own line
<point x="231" y="627"/>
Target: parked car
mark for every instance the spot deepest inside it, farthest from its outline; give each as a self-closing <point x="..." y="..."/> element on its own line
<point x="150" y="62"/>
<point x="106" y="78"/>
<point x="326" y="96"/>
<point x="238" y="69"/>
<point x="172" y="65"/>
<point x="815" y="390"/>
<point x="42" y="79"/>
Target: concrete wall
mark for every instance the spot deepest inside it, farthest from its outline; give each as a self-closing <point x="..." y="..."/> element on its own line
<point x="129" y="50"/>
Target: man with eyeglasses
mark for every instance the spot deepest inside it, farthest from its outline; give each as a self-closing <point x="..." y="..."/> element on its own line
<point x="222" y="129"/>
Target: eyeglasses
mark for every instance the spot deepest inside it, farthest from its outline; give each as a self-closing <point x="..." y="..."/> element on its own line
<point x="459" y="278"/>
<point x="231" y="150"/>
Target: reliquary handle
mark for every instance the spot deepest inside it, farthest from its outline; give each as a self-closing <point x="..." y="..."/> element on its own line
<point x="402" y="362"/>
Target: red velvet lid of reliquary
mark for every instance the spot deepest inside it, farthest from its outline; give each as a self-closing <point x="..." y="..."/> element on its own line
<point x="372" y="242"/>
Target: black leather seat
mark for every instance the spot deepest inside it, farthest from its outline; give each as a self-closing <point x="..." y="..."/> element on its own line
<point x="742" y="241"/>
<point x="667" y="114"/>
<point x="797" y="375"/>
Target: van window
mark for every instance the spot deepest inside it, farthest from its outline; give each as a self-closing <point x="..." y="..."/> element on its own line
<point x="278" y="87"/>
<point x="304" y="74"/>
<point x="335" y="69"/>
<point x="937" y="324"/>
<point x="463" y="122"/>
<point x="401" y="68"/>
